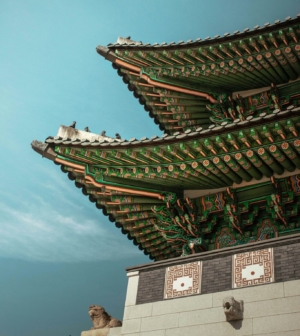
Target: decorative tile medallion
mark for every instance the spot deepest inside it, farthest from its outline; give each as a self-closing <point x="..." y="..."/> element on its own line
<point x="182" y="280"/>
<point x="253" y="268"/>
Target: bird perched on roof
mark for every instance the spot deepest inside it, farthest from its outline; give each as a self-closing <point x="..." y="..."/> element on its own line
<point x="73" y="124"/>
<point x="103" y="133"/>
<point x="118" y="136"/>
<point x="86" y="129"/>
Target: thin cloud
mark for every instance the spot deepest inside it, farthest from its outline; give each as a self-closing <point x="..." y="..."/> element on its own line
<point x="57" y="225"/>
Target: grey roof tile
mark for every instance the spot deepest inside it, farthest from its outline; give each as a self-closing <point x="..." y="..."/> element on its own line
<point x="193" y="133"/>
<point x="297" y="109"/>
<point x="256" y="119"/>
<point x="284" y="112"/>
<point x="205" y="131"/>
<point x="180" y="136"/>
<point x="269" y="116"/>
<point x="232" y="125"/>
<point x="157" y="139"/>
<point x="244" y="122"/>
<point x="218" y="128"/>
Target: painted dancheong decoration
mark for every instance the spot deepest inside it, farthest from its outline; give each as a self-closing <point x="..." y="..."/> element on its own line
<point x="226" y="171"/>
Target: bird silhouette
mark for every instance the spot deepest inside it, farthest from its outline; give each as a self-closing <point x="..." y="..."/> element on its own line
<point x="103" y="133"/>
<point x="87" y="129"/>
<point x="73" y="124"/>
<point x="118" y="136"/>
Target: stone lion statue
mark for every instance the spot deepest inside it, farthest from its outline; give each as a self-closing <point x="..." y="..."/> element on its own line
<point x="101" y="319"/>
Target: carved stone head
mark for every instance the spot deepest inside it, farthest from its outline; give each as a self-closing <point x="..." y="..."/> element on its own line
<point x="233" y="309"/>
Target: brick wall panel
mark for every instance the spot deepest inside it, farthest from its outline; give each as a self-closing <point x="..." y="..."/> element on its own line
<point x="217" y="269"/>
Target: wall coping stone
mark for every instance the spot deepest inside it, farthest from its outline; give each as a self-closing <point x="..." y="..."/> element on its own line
<point x="224" y="252"/>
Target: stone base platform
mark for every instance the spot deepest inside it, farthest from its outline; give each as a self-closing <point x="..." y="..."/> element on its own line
<point x="103" y="332"/>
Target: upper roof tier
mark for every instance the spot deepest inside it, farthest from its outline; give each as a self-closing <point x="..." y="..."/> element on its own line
<point x="175" y="82"/>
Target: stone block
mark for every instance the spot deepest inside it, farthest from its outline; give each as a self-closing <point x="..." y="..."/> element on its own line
<point x="96" y="332"/>
<point x="182" y="304"/>
<point x="251" y="294"/>
<point x="133" y="312"/>
<point x="131" y="326"/>
<point x="291" y="288"/>
<point x="272" y="307"/>
<point x="234" y="328"/>
<point x="115" y="331"/>
<point x="132" y="287"/>
<point x="276" y="323"/>
<point x="153" y="333"/>
<point x="203" y="316"/>
<point x="286" y="333"/>
<point x="159" y="322"/>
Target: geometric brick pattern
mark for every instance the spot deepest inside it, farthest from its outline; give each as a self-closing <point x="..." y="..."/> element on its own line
<point x="253" y="268"/>
<point x="183" y="280"/>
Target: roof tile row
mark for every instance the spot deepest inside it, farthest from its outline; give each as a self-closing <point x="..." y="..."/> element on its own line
<point x="208" y="38"/>
<point x="165" y="137"/>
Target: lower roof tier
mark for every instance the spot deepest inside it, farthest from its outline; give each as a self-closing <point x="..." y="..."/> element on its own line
<point x="141" y="185"/>
<point x="219" y="157"/>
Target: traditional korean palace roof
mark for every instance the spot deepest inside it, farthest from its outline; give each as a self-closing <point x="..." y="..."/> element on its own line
<point x="179" y="83"/>
<point x="227" y="170"/>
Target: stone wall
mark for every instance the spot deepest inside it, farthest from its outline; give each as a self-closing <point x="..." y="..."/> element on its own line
<point x="272" y="308"/>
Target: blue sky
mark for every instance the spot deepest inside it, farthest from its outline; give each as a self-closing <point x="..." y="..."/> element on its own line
<point x="58" y="253"/>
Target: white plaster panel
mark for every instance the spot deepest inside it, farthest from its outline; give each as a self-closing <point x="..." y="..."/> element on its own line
<point x="182" y="304"/>
<point x="132" y="287"/>
<point x="234" y="328"/>
<point x="142" y="310"/>
<point x="203" y="316"/>
<point x="272" y="307"/>
<point x="253" y="271"/>
<point x="160" y="322"/>
<point x="291" y="288"/>
<point x="276" y="323"/>
<point x="183" y="283"/>
<point x="251" y="294"/>
<point x="131" y="326"/>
